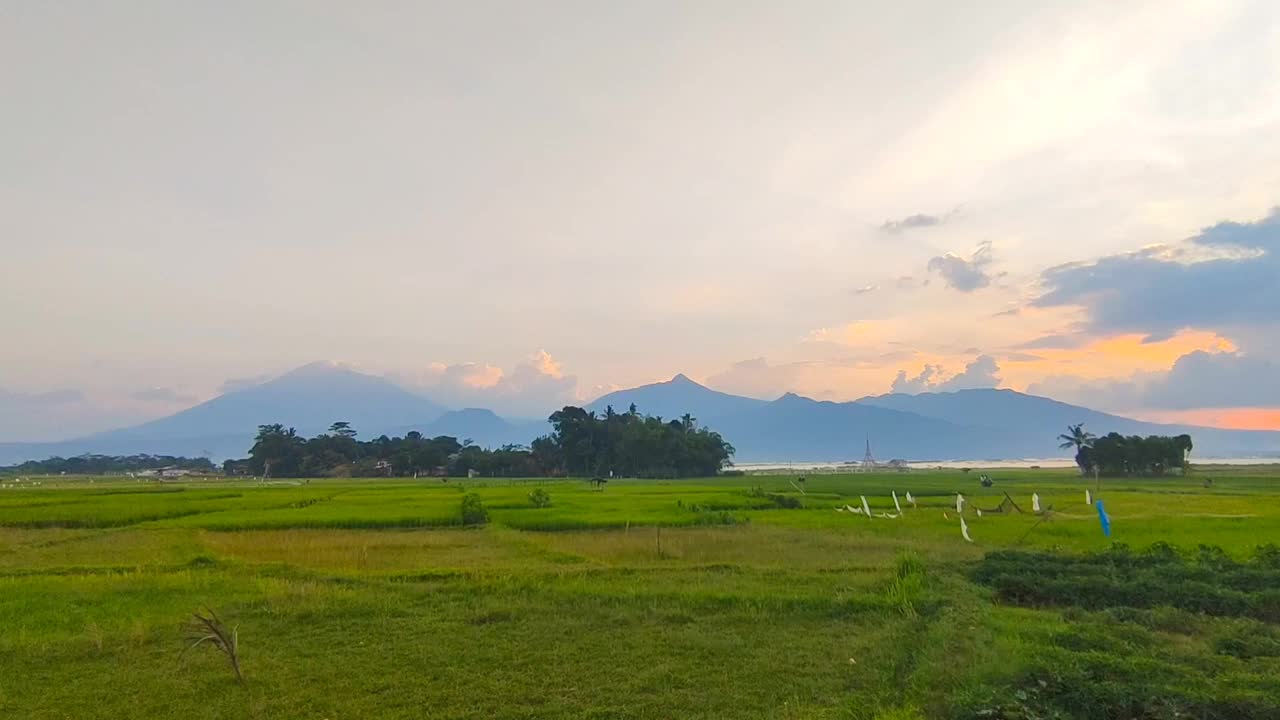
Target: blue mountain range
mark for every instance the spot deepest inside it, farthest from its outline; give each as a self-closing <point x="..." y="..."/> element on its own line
<point x="962" y="425"/>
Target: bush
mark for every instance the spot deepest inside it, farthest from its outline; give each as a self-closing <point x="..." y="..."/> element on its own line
<point x="1208" y="582"/>
<point x="1247" y="639"/>
<point x="786" y="502"/>
<point x="540" y="498"/>
<point x="473" y="510"/>
<point x="907" y="585"/>
<point x="717" y="517"/>
<point x="1100" y="669"/>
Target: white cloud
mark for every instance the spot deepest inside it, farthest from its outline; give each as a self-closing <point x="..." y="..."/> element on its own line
<point x="922" y="382"/>
<point x="981" y="372"/>
<point x="534" y="387"/>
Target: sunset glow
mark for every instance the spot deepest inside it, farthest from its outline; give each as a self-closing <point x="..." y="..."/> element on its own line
<point x="1229" y="418"/>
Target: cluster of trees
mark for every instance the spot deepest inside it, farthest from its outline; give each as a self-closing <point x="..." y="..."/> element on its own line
<point x="280" y="452"/>
<point x="633" y="445"/>
<point x="1119" y="455"/>
<point x="581" y="444"/>
<point x="108" y="465"/>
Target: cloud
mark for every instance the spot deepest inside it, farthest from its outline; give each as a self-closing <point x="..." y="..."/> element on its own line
<point x="1055" y="342"/>
<point x="538" y="380"/>
<point x="66" y="413"/>
<point x="237" y="384"/>
<point x="912" y="222"/>
<point x="53" y="398"/>
<point x="163" y="396"/>
<point x="469" y="375"/>
<point x="757" y="378"/>
<point x="1197" y="380"/>
<point x="1204" y="380"/>
<point x="866" y="289"/>
<point x="1225" y="276"/>
<point x="961" y="274"/>
<point x="924" y="382"/>
<point x="534" y="387"/>
<point x="981" y="372"/>
<point x="41" y="399"/>
<point x="1102" y="394"/>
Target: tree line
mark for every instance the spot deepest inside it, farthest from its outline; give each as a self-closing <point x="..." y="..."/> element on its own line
<point x="1114" y="454"/>
<point x="581" y="443"/>
<point x="90" y="464"/>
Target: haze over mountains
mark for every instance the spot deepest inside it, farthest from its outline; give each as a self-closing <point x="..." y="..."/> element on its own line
<point x="982" y="424"/>
<point x="962" y="425"/>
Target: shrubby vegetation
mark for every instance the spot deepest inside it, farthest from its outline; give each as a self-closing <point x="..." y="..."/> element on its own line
<point x="581" y="444"/>
<point x="1153" y="634"/>
<point x="1102" y="668"/>
<point x="540" y="498"/>
<point x="473" y="510"/>
<point x="1209" y="581"/>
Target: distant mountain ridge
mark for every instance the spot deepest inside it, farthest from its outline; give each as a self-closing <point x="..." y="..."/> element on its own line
<point x="674" y="398"/>
<point x="983" y="424"/>
<point x="309" y="399"/>
<point x="1024" y="419"/>
<point x="962" y="425"/>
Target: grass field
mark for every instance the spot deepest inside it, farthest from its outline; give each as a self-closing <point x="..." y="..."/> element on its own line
<point x="681" y="599"/>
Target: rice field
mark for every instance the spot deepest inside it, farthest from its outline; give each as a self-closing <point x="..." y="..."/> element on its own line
<point x="733" y="597"/>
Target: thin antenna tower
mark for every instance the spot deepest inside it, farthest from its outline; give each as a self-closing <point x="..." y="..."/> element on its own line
<point x="868" y="460"/>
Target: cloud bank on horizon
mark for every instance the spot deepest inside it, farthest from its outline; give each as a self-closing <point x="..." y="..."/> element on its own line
<point x="195" y="200"/>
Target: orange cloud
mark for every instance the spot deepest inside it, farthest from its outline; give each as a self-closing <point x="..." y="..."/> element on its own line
<point x="545" y="364"/>
<point x="1116" y="356"/>
<point x="482" y="376"/>
<point x="1227" y="418"/>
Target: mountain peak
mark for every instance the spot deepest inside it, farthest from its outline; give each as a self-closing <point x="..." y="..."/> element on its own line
<point x="471" y="412"/>
<point x="322" y="368"/>
<point x="675" y="397"/>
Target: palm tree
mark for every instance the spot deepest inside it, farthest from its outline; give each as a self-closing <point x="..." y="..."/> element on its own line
<point x="1077" y="437"/>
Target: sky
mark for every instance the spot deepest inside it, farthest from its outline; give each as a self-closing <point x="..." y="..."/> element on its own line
<point x="521" y="205"/>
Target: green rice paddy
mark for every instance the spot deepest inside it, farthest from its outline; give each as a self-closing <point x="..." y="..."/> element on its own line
<point x="647" y="599"/>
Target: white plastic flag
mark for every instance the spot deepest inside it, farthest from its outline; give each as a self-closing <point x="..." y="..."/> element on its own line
<point x="1088" y="498"/>
<point x="964" y="530"/>
<point x="959" y="502"/>
<point x="979" y="512"/>
<point x="895" y="502"/>
<point x="853" y="509"/>
<point x="1035" y="502"/>
<point x="911" y="499"/>
<point x="865" y="508"/>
